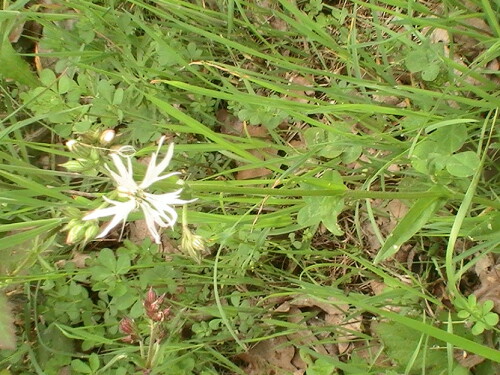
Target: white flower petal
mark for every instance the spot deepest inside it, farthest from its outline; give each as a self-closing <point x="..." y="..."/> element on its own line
<point x="157" y="208"/>
<point x="120" y="210"/>
<point x="124" y="178"/>
<point x="168" y="198"/>
<point x="161" y="218"/>
<point x="153" y="172"/>
<point x="151" y="220"/>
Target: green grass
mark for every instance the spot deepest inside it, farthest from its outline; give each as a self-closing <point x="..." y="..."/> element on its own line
<point x="370" y="206"/>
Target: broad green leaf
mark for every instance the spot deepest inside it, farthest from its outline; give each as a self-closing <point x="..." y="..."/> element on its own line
<point x="48" y="77"/>
<point x="94" y="362"/>
<point x="488" y="229"/>
<point x="402" y="343"/>
<point x="413" y="221"/>
<point x="321" y="208"/>
<point x="431" y="72"/>
<point x="123" y="264"/>
<point x="450" y="138"/>
<point x="463" y="164"/>
<point x="80" y="367"/>
<point x="491" y="319"/>
<point x="416" y="61"/>
<point x="329" y="218"/>
<point x="14" y="67"/>
<point x="309" y="215"/>
<point x="7" y="330"/>
<point x="107" y="259"/>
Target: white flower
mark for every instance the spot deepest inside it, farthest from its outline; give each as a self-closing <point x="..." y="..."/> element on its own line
<point x="157" y="208"/>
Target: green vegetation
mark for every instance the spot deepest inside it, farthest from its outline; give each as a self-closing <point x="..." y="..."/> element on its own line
<point x="337" y="197"/>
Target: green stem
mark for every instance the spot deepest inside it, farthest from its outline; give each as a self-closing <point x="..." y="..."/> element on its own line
<point x="342" y="191"/>
<point x="152" y="339"/>
<point x="347" y="193"/>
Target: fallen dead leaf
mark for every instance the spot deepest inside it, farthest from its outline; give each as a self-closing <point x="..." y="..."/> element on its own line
<point x="467" y="360"/>
<point x="270" y="357"/>
<point x="489" y="275"/>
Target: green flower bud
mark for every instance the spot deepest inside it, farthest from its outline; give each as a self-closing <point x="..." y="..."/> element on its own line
<point x="91" y="231"/>
<point x="76" y="165"/>
<point x="76" y="233"/>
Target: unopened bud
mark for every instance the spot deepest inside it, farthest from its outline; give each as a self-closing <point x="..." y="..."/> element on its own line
<point x="75" y="234"/>
<point x="71" y="145"/>
<point x="107" y="137"/>
<point x="150" y="297"/>
<point x="91" y="231"/>
<point x="127" y="326"/>
<point x="76" y="165"/>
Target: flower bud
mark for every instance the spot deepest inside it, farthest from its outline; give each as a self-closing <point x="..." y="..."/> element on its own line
<point x="107" y="137"/>
<point x="127" y="326"/>
<point x="71" y="145"/>
<point x="76" y="233"/>
<point x="94" y="155"/>
<point x="91" y="231"/>
<point x="78" y="165"/>
<point x="150" y="297"/>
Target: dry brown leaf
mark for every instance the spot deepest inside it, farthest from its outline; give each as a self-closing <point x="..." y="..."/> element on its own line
<point x="139" y="232"/>
<point x="230" y="124"/>
<point x="489" y="275"/>
<point x="397" y="210"/>
<point x="467" y="360"/>
<point x="270" y="357"/>
<point x="335" y="315"/>
<point x="78" y="260"/>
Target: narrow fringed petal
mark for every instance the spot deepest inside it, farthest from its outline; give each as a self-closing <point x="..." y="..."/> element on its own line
<point x="157" y="208"/>
<point x="154" y="171"/>
<point x="119" y="210"/>
<point x="124" y="179"/>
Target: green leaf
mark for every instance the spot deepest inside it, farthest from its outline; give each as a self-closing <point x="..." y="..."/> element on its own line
<point x="416" y="61"/>
<point x="80" y="367"/>
<point x="94" y="362"/>
<point x="47" y="77"/>
<point x="491" y="319"/>
<point x="309" y="215"/>
<point x="123" y="264"/>
<point x="449" y="139"/>
<point x="13" y="66"/>
<point x="430" y="73"/>
<point x="107" y="259"/>
<point x="65" y="84"/>
<point x="463" y="164"/>
<point x="463" y="314"/>
<point x="413" y="221"/>
<point x="410" y="348"/>
<point x="7" y="330"/>
<point x="333" y="209"/>
<point x="487" y="306"/>
<point x="478" y="328"/>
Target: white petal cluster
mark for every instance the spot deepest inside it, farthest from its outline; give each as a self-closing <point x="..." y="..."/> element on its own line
<point x="157" y="208"/>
